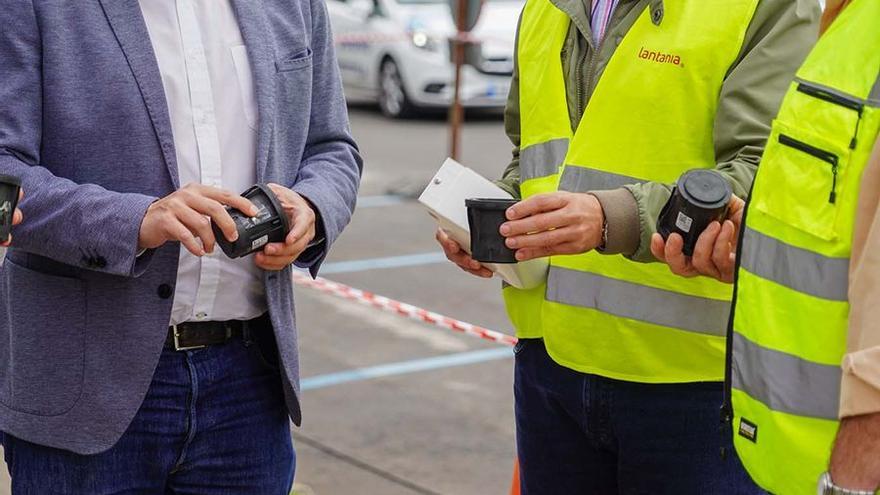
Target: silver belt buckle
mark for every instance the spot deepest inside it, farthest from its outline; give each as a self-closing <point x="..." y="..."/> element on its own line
<point x="177" y="346"/>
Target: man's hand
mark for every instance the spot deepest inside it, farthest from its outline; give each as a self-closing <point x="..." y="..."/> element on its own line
<point x="457" y="255"/>
<point x="715" y="251"/>
<point x="17" y="217"/>
<point x="278" y="255"/>
<point x="185" y="216"/>
<point x="855" y="460"/>
<point x="552" y="224"/>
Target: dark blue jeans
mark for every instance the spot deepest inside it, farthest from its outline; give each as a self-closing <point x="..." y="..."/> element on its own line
<point x="580" y="434"/>
<point x="213" y="422"/>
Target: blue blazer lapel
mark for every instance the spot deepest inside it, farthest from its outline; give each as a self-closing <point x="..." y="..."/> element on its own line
<point x="128" y="25"/>
<point x="255" y="30"/>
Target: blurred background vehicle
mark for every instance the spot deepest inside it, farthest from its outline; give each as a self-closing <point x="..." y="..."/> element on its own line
<point x="397" y="53"/>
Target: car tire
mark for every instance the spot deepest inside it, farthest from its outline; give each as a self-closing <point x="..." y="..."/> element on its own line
<point x="393" y="100"/>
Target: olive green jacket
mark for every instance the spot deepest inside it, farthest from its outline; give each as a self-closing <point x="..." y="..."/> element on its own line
<point x="781" y="34"/>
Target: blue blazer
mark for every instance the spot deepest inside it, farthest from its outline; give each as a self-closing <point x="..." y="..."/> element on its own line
<point x="84" y="122"/>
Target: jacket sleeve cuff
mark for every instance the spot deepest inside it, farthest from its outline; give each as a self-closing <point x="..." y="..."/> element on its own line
<point x="622" y="221"/>
<point x="130" y="213"/>
<point x="313" y="257"/>
<point x="316" y="249"/>
<point x="860" y="385"/>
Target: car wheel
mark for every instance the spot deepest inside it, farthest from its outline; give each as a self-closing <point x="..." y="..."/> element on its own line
<point x="392" y="94"/>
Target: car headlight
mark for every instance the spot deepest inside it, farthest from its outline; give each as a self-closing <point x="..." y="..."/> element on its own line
<point x="424" y="41"/>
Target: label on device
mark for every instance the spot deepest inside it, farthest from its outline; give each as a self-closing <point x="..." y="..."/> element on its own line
<point x="684" y="222"/>
<point x="262" y="241"/>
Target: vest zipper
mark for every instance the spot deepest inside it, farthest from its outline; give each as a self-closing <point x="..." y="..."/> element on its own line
<point x="837" y="98"/>
<point x="580" y="82"/>
<point x="591" y="73"/>
<point x="727" y="401"/>
<point x="825" y="156"/>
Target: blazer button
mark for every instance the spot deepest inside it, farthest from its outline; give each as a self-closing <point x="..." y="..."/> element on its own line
<point x="165" y="291"/>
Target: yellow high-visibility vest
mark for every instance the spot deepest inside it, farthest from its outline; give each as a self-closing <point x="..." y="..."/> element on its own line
<point x="650" y="118"/>
<point x="791" y="307"/>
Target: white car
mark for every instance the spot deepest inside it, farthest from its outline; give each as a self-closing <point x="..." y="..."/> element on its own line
<point x="397" y="53"/>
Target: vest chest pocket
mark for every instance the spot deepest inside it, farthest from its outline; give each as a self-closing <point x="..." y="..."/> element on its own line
<point x="800" y="180"/>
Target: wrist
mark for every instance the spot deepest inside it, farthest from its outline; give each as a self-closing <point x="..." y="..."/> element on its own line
<point x="858" y="481"/>
<point x="855" y="458"/>
<point x="145" y="239"/>
<point x="828" y="485"/>
<point x="603" y="233"/>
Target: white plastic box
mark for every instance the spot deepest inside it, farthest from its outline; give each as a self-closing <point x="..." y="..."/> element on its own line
<point x="444" y="198"/>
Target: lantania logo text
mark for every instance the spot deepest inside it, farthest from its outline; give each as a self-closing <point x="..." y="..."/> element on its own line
<point x="660" y="57"/>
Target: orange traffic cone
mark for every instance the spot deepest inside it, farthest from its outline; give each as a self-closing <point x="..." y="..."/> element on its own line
<point x="514" y="485"/>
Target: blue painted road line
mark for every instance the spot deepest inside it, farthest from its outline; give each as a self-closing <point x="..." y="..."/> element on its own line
<point x="406" y="367"/>
<point x="387" y="262"/>
<point x="383" y="200"/>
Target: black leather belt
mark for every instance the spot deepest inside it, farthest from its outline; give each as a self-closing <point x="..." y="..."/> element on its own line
<point x="198" y="335"/>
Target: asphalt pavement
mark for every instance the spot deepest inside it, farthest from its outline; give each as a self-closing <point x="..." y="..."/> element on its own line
<point x="447" y="430"/>
<point x="393" y="406"/>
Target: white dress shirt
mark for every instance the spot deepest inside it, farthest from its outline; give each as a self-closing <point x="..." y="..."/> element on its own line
<point x="211" y="102"/>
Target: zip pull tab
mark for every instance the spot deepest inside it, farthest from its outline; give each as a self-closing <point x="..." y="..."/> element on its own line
<point x="725" y="426"/>
<point x="833" y="197"/>
<point x="824" y="155"/>
<point x="855" y="139"/>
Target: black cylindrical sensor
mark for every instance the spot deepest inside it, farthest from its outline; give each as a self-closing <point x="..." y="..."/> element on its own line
<point x="10" y="187"/>
<point x="270" y="224"/>
<point x="700" y="197"/>
<point x="485" y="217"/>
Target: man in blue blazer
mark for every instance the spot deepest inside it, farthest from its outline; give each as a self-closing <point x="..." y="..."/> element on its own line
<point x="134" y="356"/>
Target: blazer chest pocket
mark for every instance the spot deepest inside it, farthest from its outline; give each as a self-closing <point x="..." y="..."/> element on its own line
<point x="297" y="60"/>
<point x="43" y="335"/>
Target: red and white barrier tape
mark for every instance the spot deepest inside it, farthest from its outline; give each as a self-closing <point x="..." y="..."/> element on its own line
<point x="400" y="308"/>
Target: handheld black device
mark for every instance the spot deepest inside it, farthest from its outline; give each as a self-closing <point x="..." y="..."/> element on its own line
<point x="485" y="217"/>
<point x="270" y="224"/>
<point x="700" y="197"/>
<point x="10" y="186"/>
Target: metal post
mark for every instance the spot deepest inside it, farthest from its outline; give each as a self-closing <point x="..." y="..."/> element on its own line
<point x="456" y="113"/>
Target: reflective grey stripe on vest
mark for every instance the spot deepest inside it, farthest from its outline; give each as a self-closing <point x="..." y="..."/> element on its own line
<point x="795" y="268"/>
<point x="542" y="160"/>
<point x="582" y="179"/>
<point x="784" y="382"/>
<point x="637" y="302"/>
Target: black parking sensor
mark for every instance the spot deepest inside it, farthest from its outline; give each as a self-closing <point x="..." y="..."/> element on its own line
<point x="270" y="224"/>
<point x="700" y="197"/>
<point x="485" y="217"/>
